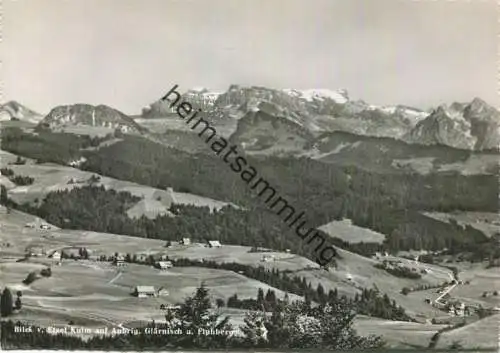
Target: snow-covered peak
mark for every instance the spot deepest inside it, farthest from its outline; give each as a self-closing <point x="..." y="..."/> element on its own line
<point x="198" y="89"/>
<point x="339" y="96"/>
<point x="402" y="110"/>
<point x="204" y="92"/>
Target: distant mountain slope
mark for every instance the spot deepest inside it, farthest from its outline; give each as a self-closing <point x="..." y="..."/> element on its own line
<point x="86" y="114"/>
<point x="266" y="127"/>
<point x="14" y="111"/>
<point x="389" y="155"/>
<point x="472" y="126"/>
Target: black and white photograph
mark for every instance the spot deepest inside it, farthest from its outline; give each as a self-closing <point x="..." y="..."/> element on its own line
<point x="249" y="175"/>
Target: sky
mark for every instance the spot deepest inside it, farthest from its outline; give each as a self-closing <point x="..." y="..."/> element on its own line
<point x="129" y="53"/>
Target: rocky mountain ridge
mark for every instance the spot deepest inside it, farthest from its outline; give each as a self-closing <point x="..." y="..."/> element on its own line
<point x="90" y="115"/>
<point x="13" y="110"/>
<point x="474" y="125"/>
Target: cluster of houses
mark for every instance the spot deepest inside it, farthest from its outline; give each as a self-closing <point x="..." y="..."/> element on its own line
<point x="379" y="255"/>
<point x="75" y="180"/>
<point x="38" y="225"/>
<point x="453" y="308"/>
<point x="77" y="162"/>
<point x="458" y="309"/>
<point x="56" y="255"/>
<point x="209" y="244"/>
<point x="119" y="260"/>
<point x="160" y="260"/>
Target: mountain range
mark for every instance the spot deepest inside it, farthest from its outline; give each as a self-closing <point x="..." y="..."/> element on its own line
<point x="474" y="125"/>
<point x="269" y="119"/>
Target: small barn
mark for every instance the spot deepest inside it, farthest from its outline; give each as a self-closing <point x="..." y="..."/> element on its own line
<point x="165" y="265"/>
<point x="119" y="261"/>
<point x="45" y="226"/>
<point x="162" y="292"/>
<point x="144" y="291"/>
<point x="214" y="244"/>
<point x="185" y="241"/>
<point x="56" y="255"/>
<point x="267" y="258"/>
<point x="35" y="251"/>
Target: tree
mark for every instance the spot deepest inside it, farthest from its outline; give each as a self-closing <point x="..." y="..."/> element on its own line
<point x="6" y="301"/>
<point x="118" y="133"/>
<point x="30" y="278"/>
<point x="3" y="195"/>
<point x="220" y="302"/>
<point x="83" y="253"/>
<point x="196" y="318"/>
<point x="46" y="272"/>
<point x="456" y="345"/>
<point x="233" y="301"/>
<point x="270" y="297"/>
<point x="18" y="304"/>
<point x="254" y="329"/>
<point x="19" y="161"/>
<point x="327" y="326"/>
<point x="260" y="296"/>
<point x="321" y="293"/>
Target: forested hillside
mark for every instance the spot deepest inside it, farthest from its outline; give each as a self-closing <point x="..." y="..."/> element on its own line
<point x="97" y="209"/>
<point x="47" y="146"/>
<point x="385" y="202"/>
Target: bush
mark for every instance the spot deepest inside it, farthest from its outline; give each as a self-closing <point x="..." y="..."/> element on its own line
<point x="7" y="172"/>
<point x="46" y="272"/>
<point x="455" y="345"/>
<point x="20" y="161"/>
<point x="32" y="277"/>
<point x="18" y="304"/>
<point x="405" y="291"/>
